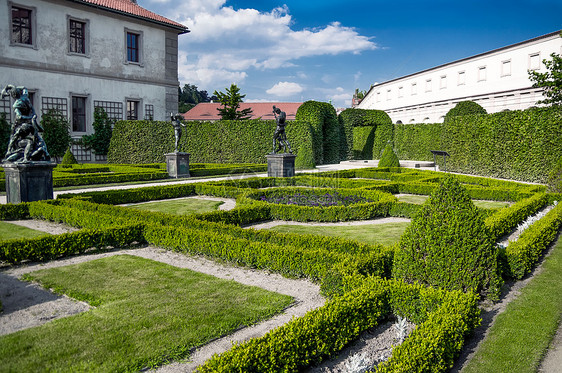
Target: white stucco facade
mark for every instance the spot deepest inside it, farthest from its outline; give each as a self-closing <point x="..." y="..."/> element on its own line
<point x="101" y="73"/>
<point x="497" y="80"/>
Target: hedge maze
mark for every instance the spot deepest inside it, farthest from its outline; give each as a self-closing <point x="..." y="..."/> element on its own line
<point x="359" y="279"/>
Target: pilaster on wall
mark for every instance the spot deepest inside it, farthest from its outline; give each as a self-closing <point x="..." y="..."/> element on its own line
<point x="171" y="73"/>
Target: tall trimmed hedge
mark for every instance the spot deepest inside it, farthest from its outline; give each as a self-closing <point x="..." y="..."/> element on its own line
<point x="326" y="131"/>
<point x="414" y="141"/>
<point x="240" y="141"/>
<point x="521" y="145"/>
<point x="359" y="126"/>
<point x="464" y="108"/>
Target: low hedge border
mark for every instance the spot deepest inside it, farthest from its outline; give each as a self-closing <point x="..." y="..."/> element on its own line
<point x="45" y="248"/>
<point x="505" y="220"/>
<point x="358" y="211"/>
<point x="523" y="254"/>
<point x="445" y="317"/>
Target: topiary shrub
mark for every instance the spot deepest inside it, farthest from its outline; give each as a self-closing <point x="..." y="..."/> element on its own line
<point x="389" y="158"/>
<point x="448" y="246"/>
<point x="100" y="139"/>
<point x="68" y="158"/>
<point x="465" y="108"/>
<point x="554" y="183"/>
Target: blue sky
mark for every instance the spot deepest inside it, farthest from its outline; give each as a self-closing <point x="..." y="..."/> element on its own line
<point x="323" y="50"/>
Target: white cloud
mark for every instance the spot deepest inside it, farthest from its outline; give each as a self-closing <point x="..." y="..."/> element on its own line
<point x="226" y="44"/>
<point x="285" y="89"/>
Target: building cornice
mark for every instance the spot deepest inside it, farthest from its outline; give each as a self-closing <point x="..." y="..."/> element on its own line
<point x="57" y="69"/>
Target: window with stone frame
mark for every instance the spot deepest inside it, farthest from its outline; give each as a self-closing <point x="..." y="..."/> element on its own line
<point x="78" y="114"/>
<point x="132" y="110"/>
<point x="22" y="26"/>
<point x="77" y="36"/>
<point x="133" y="47"/>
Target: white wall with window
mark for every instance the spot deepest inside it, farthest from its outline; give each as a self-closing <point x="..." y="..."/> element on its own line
<point x="497" y="80"/>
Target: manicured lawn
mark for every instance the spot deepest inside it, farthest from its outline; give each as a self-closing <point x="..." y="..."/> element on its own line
<point x="146" y="313"/>
<point x="384" y="234"/>
<point x="10" y="231"/>
<point x="522" y="333"/>
<point x="420" y="199"/>
<point x="182" y="206"/>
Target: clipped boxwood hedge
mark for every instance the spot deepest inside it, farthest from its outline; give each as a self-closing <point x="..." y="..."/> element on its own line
<point x="237" y="141"/>
<point x="326" y="130"/>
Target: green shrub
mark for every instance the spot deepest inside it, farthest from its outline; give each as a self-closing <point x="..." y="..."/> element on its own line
<point x="414" y="141"/>
<point x="389" y="158"/>
<point x="57" y="132"/>
<point x="68" y="158"/>
<point x="99" y="141"/>
<point x="448" y="245"/>
<point x="464" y="108"/>
<point x="555" y="178"/>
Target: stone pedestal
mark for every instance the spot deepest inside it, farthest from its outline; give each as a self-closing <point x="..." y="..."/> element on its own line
<point x="177" y="164"/>
<point x="28" y="182"/>
<point x="281" y="165"/>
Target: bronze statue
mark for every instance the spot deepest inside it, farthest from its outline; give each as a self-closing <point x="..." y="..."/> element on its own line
<point x="26" y="143"/>
<point x="176" y="122"/>
<point x="279" y="136"/>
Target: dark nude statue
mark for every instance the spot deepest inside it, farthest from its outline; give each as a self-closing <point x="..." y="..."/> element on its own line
<point x="176" y="122"/>
<point x="279" y="136"/>
<point x="26" y="143"/>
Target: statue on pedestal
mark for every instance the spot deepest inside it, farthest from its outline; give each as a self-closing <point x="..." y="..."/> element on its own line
<point x="26" y="143"/>
<point x="279" y="136"/>
<point x="176" y="122"/>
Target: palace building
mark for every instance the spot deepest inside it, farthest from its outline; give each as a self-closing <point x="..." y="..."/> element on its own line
<point x="497" y="80"/>
<point x="75" y="55"/>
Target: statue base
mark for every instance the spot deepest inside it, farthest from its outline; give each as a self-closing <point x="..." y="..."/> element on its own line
<point x="28" y="182"/>
<point x="177" y="164"/>
<point x="281" y="165"/>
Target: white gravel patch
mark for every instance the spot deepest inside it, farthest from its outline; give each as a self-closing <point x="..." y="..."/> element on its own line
<point x="273" y="223"/>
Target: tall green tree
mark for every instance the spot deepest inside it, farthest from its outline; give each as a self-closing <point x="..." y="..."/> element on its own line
<point x="231" y="103"/>
<point x="190" y="95"/>
<point x="103" y="129"/>
<point x="57" y="132"/>
<point x="550" y="81"/>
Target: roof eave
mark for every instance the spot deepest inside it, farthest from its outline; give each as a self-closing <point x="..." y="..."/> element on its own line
<point x="182" y="30"/>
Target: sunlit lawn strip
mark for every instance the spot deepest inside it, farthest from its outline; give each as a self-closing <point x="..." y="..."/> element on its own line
<point x="521" y="334"/>
<point x="385" y="234"/>
<point x="184" y="206"/>
<point x="146" y="314"/>
<point x="10" y="231"/>
<point x="420" y="199"/>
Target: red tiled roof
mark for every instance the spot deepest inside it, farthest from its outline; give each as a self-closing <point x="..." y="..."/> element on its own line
<point x="131" y="8"/>
<point x="263" y="110"/>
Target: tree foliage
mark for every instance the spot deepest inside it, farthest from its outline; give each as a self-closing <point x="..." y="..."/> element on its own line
<point x="231" y="103"/>
<point x="57" y="133"/>
<point x="190" y="95"/>
<point x="100" y="139"/>
<point x="550" y="81"/>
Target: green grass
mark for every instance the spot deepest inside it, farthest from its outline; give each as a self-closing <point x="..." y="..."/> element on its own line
<point x="182" y="206"/>
<point x="146" y="314"/>
<point x="11" y="231"/>
<point x="384" y="234"/>
<point x="420" y="200"/>
<point x="521" y="334"/>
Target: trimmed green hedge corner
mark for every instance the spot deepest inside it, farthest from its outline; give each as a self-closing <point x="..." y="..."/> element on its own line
<point x="326" y="131"/>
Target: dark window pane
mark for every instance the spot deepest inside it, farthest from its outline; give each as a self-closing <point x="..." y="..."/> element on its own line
<point x="21" y="26"/>
<point x="77" y="37"/>
<point x="79" y="114"/>
<point x="132" y="47"/>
